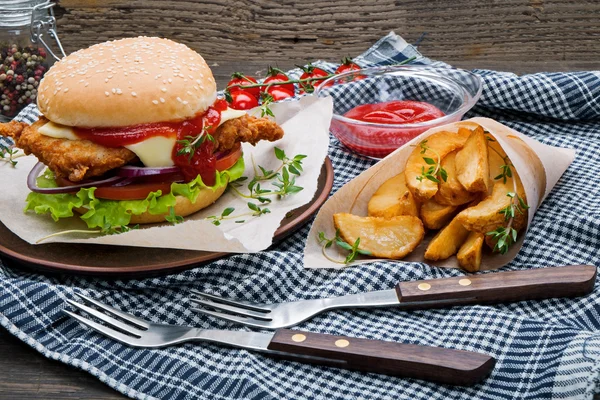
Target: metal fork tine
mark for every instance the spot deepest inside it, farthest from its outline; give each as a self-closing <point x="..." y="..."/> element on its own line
<point x="127" y="317"/>
<point x="240" y="320"/>
<point x="235" y="310"/>
<point x="103" y="329"/>
<point x="109" y="320"/>
<point x="230" y="302"/>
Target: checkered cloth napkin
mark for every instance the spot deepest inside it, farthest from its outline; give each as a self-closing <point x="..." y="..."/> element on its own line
<point x="546" y="349"/>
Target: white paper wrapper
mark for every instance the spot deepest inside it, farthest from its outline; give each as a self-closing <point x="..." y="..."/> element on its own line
<point x="539" y="166"/>
<point x="306" y="126"/>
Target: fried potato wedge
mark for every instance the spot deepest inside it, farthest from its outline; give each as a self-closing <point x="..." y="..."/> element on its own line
<point x="451" y="192"/>
<point x="438" y="145"/>
<point x="386" y="238"/>
<point x="393" y="198"/>
<point x="486" y="216"/>
<point x="469" y="254"/>
<point x="496" y="159"/>
<point x="472" y="165"/>
<point x="435" y="215"/>
<point x="447" y="241"/>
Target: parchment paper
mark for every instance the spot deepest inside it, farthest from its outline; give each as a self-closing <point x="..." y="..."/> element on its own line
<point x="539" y="167"/>
<point x="306" y="126"/>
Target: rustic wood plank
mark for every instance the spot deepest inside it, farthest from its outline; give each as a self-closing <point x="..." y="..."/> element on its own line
<point x="550" y="35"/>
<point x="28" y="375"/>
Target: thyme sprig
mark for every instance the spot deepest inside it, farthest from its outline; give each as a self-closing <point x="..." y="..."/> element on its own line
<point x="283" y="178"/>
<point x="506" y="236"/>
<point x="338" y="241"/>
<point x="108" y="229"/>
<point x="172" y="217"/>
<point x="256" y="211"/>
<point x="190" y="144"/>
<point x="9" y="153"/>
<point x="435" y="172"/>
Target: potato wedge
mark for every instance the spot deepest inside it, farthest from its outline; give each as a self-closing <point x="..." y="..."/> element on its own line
<point x="439" y="145"/>
<point x="451" y="192"/>
<point x="393" y="198"/>
<point x="485" y="216"/>
<point x="435" y="215"/>
<point x="447" y="241"/>
<point x="469" y="254"/>
<point x="386" y="238"/>
<point x="472" y="165"/>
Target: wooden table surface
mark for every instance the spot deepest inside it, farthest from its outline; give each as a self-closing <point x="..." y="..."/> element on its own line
<point x="521" y="36"/>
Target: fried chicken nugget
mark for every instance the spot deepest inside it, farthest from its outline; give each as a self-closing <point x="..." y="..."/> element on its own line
<point x="72" y="159"/>
<point x="77" y="160"/>
<point x="246" y="129"/>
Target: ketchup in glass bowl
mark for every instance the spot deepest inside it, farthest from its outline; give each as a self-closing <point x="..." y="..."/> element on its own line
<point x="376" y="110"/>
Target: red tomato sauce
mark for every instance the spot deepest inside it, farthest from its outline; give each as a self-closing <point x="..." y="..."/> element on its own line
<point x="378" y="140"/>
<point x="395" y="112"/>
<point x="202" y="162"/>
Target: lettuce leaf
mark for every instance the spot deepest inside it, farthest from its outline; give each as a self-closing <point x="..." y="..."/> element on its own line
<point x="102" y="213"/>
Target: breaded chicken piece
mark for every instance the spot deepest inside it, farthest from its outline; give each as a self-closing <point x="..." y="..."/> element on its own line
<point x="82" y="159"/>
<point x="72" y="159"/>
<point x="246" y="129"/>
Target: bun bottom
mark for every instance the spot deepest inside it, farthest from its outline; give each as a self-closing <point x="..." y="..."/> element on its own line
<point x="183" y="206"/>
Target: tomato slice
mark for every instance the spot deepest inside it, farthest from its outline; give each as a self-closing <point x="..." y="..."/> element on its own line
<point x="229" y="159"/>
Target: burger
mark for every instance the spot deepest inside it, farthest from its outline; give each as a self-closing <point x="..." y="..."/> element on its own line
<point x="131" y="132"/>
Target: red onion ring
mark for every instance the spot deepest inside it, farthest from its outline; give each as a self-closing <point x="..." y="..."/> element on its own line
<point x="39" y="167"/>
<point x="130" y="171"/>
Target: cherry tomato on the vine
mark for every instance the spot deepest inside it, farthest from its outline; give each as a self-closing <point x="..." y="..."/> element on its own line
<point x="276" y="75"/>
<point x="237" y="78"/>
<point x="347" y="65"/>
<point x="242" y="100"/>
<point x="279" y="92"/>
<point x="310" y="71"/>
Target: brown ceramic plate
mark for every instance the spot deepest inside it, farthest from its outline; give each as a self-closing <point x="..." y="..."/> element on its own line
<point x="124" y="261"/>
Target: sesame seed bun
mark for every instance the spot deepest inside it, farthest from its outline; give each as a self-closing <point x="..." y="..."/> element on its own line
<point x="127" y="82"/>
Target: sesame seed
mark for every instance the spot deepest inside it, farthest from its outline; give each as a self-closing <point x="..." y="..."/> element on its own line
<point x="134" y="94"/>
<point x="66" y="90"/>
<point x="154" y="101"/>
<point x="114" y="90"/>
<point x="162" y="100"/>
<point x="107" y="94"/>
<point x="163" y="89"/>
<point x="179" y="99"/>
<point x="169" y="80"/>
<point x="87" y="83"/>
<point x="106" y="80"/>
<point x="185" y="102"/>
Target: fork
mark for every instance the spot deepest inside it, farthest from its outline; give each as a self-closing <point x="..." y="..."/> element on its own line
<point x="540" y="283"/>
<point x="436" y="364"/>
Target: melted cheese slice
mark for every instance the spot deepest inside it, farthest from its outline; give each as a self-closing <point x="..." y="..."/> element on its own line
<point x="153" y="152"/>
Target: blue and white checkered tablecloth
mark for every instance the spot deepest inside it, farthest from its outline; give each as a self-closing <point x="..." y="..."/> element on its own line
<point x="546" y="349"/>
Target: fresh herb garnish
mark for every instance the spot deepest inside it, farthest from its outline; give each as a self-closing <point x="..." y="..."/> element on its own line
<point x="106" y="230"/>
<point x="190" y="144"/>
<point x="9" y="153"/>
<point x="506" y="236"/>
<point x="256" y="211"/>
<point x="435" y="172"/>
<point x="338" y="241"/>
<point x="172" y="218"/>
<point x="283" y="178"/>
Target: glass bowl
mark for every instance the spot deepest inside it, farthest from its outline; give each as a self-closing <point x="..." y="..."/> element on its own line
<point x="453" y="91"/>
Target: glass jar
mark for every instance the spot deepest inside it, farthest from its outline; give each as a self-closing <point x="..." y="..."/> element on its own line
<point x="24" y="55"/>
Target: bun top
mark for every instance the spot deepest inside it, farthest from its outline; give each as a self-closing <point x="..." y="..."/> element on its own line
<point x="127" y="82"/>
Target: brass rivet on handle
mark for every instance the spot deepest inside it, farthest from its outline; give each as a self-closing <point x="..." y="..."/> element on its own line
<point x="424" y="286"/>
<point x="464" y="282"/>
<point x="342" y="343"/>
<point x="298" y="337"/>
